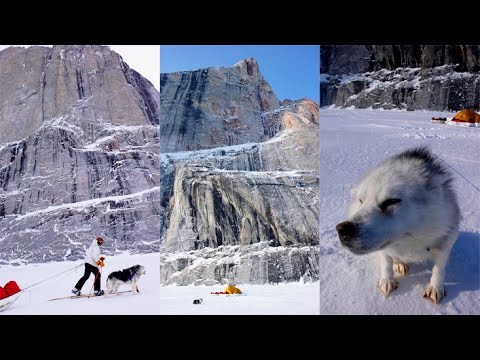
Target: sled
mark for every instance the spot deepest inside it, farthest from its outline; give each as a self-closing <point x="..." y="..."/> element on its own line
<point x="6" y="302"/>
<point x="218" y="293"/>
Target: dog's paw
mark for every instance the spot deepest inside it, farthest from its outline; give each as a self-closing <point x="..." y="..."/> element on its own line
<point x="435" y="294"/>
<point x="400" y="268"/>
<point x="386" y="286"/>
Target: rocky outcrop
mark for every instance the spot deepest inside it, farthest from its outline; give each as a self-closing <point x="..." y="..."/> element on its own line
<point x="433" y="77"/>
<point x="79" y="154"/>
<point x="214" y="207"/>
<point x="247" y="264"/>
<point x="214" y="107"/>
<point x="239" y="199"/>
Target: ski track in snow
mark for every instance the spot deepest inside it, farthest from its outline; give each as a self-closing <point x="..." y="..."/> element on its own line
<point x="34" y="301"/>
<point x="352" y="143"/>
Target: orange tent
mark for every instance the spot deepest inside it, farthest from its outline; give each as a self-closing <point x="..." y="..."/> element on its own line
<point x="469" y="116"/>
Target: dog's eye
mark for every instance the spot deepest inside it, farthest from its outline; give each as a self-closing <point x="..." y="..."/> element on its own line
<point x="361" y="201"/>
<point x="389" y="202"/>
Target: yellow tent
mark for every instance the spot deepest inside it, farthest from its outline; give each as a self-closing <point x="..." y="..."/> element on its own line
<point x="232" y="290"/>
<point x="469" y="116"/>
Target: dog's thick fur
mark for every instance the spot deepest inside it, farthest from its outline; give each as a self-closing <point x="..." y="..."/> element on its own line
<point x="126" y="276"/>
<point x="406" y="211"/>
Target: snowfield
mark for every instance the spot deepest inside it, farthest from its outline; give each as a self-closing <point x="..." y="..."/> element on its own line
<point x="281" y="299"/>
<point x="354" y="141"/>
<point x="34" y="301"/>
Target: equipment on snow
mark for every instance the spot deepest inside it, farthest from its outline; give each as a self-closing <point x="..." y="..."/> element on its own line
<point x="6" y="302"/>
<point x="9" y="294"/>
<point x="230" y="290"/>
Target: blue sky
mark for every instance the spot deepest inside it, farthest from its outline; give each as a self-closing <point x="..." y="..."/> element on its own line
<point x="291" y="70"/>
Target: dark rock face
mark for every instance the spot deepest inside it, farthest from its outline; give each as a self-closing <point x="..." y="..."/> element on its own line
<point x="465" y="57"/>
<point x="391" y="57"/>
<point x="214" y="107"/>
<point x="79" y="154"/>
<point x="248" y="211"/>
<point x="415" y="77"/>
<point x="344" y="59"/>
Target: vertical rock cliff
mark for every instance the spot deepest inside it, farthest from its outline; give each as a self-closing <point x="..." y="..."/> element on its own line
<point x="79" y="154"/>
<point x="242" y="204"/>
<point x="214" y="107"/>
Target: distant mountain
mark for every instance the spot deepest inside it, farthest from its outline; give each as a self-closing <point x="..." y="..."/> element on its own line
<point x="239" y="179"/>
<point x="79" y="154"/>
<point x="433" y="77"/>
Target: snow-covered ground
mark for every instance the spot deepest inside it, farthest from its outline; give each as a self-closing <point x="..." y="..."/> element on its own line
<point x="35" y="300"/>
<point x="281" y="299"/>
<point x="352" y="142"/>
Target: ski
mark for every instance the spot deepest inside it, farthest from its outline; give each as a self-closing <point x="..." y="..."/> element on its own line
<point x="89" y="296"/>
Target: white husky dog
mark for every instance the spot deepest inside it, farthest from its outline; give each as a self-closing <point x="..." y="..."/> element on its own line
<point x="406" y="211"/>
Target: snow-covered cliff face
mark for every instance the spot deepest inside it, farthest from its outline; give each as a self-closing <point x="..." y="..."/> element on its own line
<point x="247" y="211"/>
<point x="79" y="154"/>
<point x="434" y="77"/>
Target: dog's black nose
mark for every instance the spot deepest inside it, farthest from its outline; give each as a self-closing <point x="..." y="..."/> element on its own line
<point x="346" y="231"/>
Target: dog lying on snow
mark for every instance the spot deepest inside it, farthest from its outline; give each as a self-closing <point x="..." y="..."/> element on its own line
<point x="126" y="276"/>
<point x="406" y="211"/>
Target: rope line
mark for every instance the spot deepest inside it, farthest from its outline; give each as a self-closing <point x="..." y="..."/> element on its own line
<point x="52" y="277"/>
<point x="461" y="175"/>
